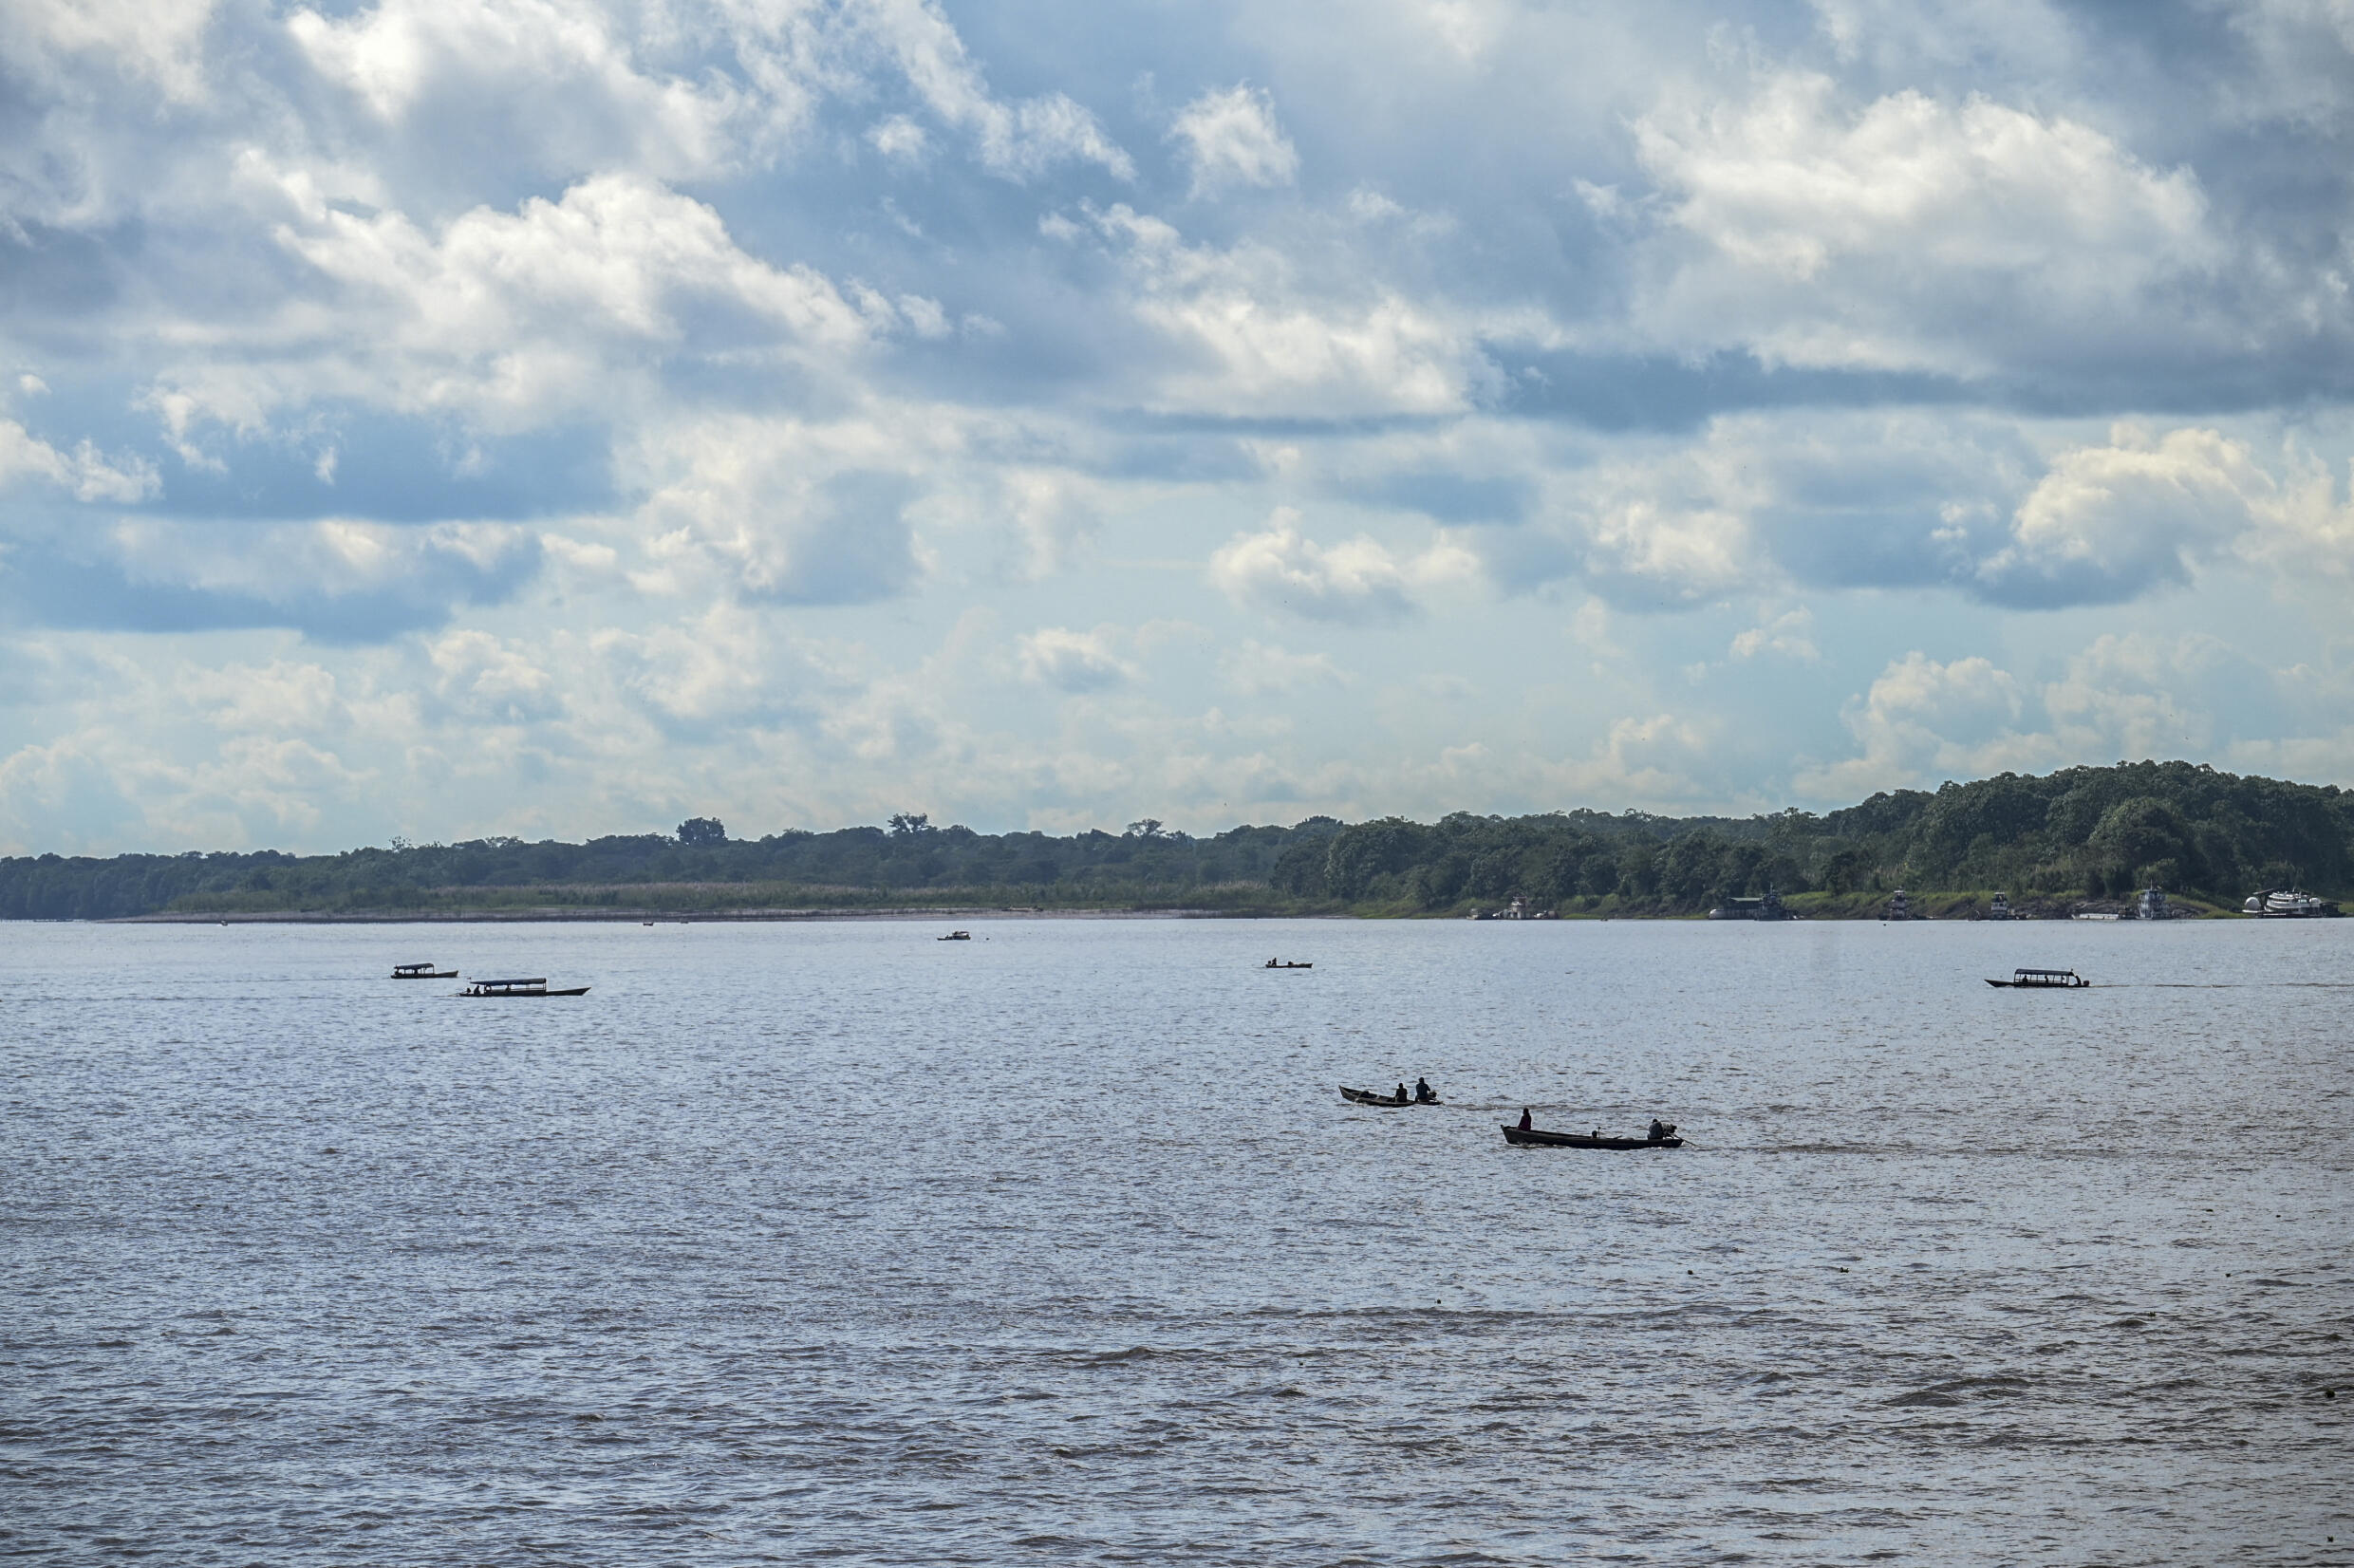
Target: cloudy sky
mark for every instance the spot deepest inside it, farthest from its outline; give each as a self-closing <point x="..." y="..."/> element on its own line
<point x="559" y="417"/>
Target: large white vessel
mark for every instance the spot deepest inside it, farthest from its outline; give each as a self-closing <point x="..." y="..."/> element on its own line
<point x="2287" y="903"/>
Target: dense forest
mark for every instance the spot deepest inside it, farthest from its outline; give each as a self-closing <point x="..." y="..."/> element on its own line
<point x="2082" y="833"/>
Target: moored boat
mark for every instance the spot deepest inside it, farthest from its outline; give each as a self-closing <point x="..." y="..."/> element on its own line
<point x="2287" y="903"/>
<point x="955" y="936"/>
<point x="422" y="971"/>
<point x="2043" y="980"/>
<point x="537" y="987"/>
<point x="1539" y="1137"/>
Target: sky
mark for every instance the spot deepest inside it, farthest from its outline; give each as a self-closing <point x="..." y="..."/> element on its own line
<point x="447" y="418"/>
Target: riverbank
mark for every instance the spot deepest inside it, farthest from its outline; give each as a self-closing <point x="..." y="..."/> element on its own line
<point x="1960" y="905"/>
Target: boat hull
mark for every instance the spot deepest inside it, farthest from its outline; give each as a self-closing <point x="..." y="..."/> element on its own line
<point x="1388" y="1102"/>
<point x="1539" y="1137"/>
<point x="487" y="996"/>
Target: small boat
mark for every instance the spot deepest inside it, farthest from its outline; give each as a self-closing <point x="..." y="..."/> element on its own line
<point x="955" y="936"/>
<point x="422" y="971"/>
<point x="1367" y="1096"/>
<point x="1534" y="1135"/>
<point x="2043" y="980"/>
<point x="519" y="988"/>
<point x="1288" y="964"/>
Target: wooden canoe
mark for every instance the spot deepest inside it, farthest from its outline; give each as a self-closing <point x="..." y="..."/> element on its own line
<point x="1581" y="1140"/>
<point x="1366" y="1096"/>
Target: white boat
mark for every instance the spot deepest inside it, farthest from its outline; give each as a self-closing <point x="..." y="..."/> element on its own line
<point x="2287" y="903"/>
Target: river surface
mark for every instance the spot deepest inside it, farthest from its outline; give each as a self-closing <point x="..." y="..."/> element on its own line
<point x="830" y="1241"/>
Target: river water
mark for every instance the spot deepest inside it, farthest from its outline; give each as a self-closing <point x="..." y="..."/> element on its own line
<point x="794" y="1242"/>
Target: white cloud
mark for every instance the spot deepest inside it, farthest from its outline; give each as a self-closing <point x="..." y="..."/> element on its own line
<point x="2115" y="522"/>
<point x="85" y="471"/>
<point x="556" y="309"/>
<point x="1790" y="634"/>
<point x="1279" y="570"/>
<point x="1913" y="233"/>
<point x="317" y="572"/>
<point x="1252" y="668"/>
<point x="490" y="679"/>
<point x="1253" y="339"/>
<point x="2110" y="522"/>
<point x="1231" y="139"/>
<point x="1075" y="660"/>
<point x="1017" y="140"/>
<point x="563" y="83"/>
<point x="159" y="42"/>
<point x="1921" y="721"/>
<point x="782" y="510"/>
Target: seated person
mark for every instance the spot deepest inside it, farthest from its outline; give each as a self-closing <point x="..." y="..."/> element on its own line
<point x="1524" y="1122"/>
<point x="1422" y="1090"/>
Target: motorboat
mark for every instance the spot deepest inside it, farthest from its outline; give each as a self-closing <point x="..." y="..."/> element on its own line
<point x="1287" y="965"/>
<point x="1390" y="1102"/>
<point x="1537" y="1136"/>
<point x="537" y="987"/>
<point x="955" y="936"/>
<point x="422" y="971"/>
<point x="2043" y="980"/>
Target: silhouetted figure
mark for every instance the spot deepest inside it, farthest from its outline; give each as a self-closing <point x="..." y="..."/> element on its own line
<point x="1422" y="1091"/>
<point x="1525" y="1124"/>
<point x="1658" y="1130"/>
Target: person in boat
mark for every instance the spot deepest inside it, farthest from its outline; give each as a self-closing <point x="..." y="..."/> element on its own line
<point x="1401" y="1093"/>
<point x="1658" y="1130"/>
<point x="1422" y="1091"/>
<point x="1525" y="1123"/>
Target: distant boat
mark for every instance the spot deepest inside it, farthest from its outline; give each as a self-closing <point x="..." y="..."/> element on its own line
<point x="2000" y="910"/>
<point x="1767" y="905"/>
<point x="1288" y="964"/>
<point x="2287" y="903"/>
<point x="2044" y="979"/>
<point x="519" y="988"/>
<point x="422" y="971"/>
<point x="1584" y="1140"/>
<point x="1391" y="1102"/>
<point x="955" y="936"/>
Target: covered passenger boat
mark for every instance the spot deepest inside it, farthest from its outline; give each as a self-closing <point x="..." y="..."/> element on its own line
<point x="422" y="971"/>
<point x="2043" y="980"/>
<point x="1537" y="1135"/>
<point x="519" y="988"/>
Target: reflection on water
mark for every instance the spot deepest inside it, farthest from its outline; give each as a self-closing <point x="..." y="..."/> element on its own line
<point x="1059" y="1244"/>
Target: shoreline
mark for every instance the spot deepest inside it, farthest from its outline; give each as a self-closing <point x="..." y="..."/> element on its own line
<point x="972" y="912"/>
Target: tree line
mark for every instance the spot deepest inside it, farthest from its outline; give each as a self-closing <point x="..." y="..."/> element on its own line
<point x="2080" y="832"/>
